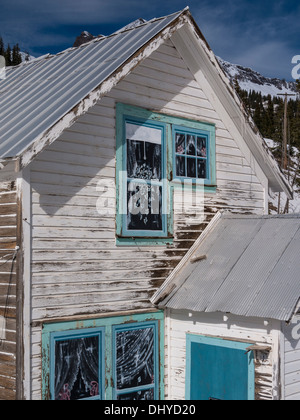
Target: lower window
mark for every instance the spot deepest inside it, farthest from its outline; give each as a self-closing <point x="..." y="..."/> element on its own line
<point x="136" y="366"/>
<point x="77" y="365"/>
<point x="111" y="358"/>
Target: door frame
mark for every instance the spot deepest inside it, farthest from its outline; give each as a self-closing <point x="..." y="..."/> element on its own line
<point x="226" y="343"/>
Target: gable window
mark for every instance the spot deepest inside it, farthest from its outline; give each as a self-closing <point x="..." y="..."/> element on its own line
<point x="156" y="153"/>
<point x="141" y="176"/>
<point x="191" y="151"/>
<point x="145" y="171"/>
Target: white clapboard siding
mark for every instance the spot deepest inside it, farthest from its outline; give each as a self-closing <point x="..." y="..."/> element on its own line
<point x="8" y="290"/>
<point x="77" y="269"/>
<point x="65" y="180"/>
<point x="292" y="360"/>
<point x="179" y="324"/>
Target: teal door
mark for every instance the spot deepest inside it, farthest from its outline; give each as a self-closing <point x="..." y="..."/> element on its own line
<point x="218" y="369"/>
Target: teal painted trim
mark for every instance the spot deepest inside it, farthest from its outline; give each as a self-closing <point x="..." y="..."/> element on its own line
<point x="155" y="385"/>
<point x="126" y="113"/>
<point x="162" y="183"/>
<point x="144" y="241"/>
<point x="178" y="184"/>
<point x="103" y="324"/>
<point x="64" y="335"/>
<point x="145" y="116"/>
<point x="193" y="338"/>
<point x="201" y="130"/>
<point x="164" y="118"/>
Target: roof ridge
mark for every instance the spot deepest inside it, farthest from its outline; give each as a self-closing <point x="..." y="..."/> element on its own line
<point x="98" y="38"/>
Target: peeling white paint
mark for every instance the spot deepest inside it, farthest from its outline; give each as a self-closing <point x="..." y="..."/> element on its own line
<point x="2" y="328"/>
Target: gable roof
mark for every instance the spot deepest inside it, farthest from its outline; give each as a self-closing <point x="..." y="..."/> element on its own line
<point x="42" y="98"/>
<point x="37" y="94"/>
<point x="244" y="265"/>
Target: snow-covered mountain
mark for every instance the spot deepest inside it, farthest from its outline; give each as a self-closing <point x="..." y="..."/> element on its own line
<point x="84" y="37"/>
<point x="26" y="56"/>
<point x="249" y="79"/>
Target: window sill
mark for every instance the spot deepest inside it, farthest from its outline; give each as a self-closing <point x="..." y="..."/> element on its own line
<point x="190" y="184"/>
<point x="121" y="241"/>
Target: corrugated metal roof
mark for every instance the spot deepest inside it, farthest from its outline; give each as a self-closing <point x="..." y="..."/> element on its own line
<point x="35" y="95"/>
<point x="251" y="268"/>
<point x="40" y="99"/>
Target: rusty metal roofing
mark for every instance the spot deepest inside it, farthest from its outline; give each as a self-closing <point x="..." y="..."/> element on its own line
<point x="36" y="95"/>
<point x="245" y="265"/>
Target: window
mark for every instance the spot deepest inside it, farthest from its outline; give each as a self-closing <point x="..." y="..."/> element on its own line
<point x="156" y="152"/>
<point x="118" y="358"/>
<point x="145" y="174"/>
<point x="191" y="154"/>
<point x="136" y="364"/>
<point x="77" y="365"/>
<point x="142" y="191"/>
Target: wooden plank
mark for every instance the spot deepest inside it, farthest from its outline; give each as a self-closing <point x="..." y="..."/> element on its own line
<point x="83" y="265"/>
<point x="98" y="276"/>
<point x="7" y="394"/>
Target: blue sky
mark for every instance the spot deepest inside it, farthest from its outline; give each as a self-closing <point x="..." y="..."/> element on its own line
<point x="263" y="35"/>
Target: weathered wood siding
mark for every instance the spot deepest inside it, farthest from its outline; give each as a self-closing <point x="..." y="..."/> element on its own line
<point x="8" y="240"/>
<point x="291" y="360"/>
<point x="178" y="324"/>
<point x="77" y="269"/>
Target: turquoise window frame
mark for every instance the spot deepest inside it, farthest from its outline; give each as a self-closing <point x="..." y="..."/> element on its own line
<point x="106" y="325"/>
<point x="124" y="232"/>
<point x="155" y="385"/>
<point x="210" y="164"/>
<point x="73" y="334"/>
<point x="193" y="338"/>
<point x="133" y="113"/>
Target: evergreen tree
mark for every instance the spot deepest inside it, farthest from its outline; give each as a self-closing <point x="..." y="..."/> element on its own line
<point x="16" y="55"/>
<point x="269" y="118"/>
<point x="7" y="55"/>
<point x="12" y="55"/>
<point x="2" y="51"/>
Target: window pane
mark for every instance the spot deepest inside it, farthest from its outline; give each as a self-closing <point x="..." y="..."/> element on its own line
<point x="144" y="204"/>
<point x="135" y="358"/>
<point x="191" y="167"/>
<point x="138" y="395"/>
<point x="180" y="166"/>
<point x="144" y="160"/>
<point x="201" y="146"/>
<point x="77" y="368"/>
<point x="180" y="144"/>
<point x="201" y="166"/>
<point x="191" y="148"/>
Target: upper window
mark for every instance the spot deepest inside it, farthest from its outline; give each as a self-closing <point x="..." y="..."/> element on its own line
<point x="145" y="172"/>
<point x="153" y="150"/>
<point x="191" y="154"/>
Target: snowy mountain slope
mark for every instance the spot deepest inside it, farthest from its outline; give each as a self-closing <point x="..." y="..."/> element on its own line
<point x="26" y="57"/>
<point x="249" y="79"/>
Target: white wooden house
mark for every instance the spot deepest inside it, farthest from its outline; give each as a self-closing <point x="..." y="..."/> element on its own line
<point x="115" y="156"/>
<point x="232" y="312"/>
